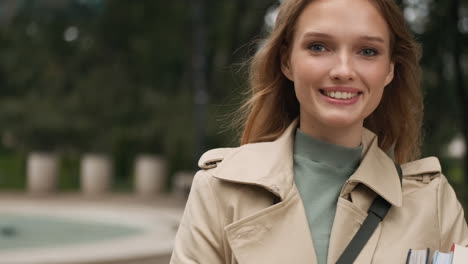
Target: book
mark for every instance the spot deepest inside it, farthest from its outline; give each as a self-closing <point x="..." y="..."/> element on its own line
<point x="460" y="254"/>
<point x="418" y="256"/>
<point x="457" y="255"/>
<point x="442" y="258"/>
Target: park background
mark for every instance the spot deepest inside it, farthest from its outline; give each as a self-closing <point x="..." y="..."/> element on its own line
<point x="121" y="78"/>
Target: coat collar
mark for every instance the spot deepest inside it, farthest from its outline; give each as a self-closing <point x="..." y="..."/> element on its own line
<point x="267" y="164"/>
<point x="377" y="171"/>
<point x="270" y="165"/>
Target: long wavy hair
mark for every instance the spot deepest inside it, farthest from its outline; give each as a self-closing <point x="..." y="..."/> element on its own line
<point x="272" y="105"/>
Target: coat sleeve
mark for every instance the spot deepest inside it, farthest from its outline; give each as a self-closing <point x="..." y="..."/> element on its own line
<point x="452" y="221"/>
<point x="199" y="237"/>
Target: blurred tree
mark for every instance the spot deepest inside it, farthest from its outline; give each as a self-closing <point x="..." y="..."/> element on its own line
<point x="459" y="84"/>
<point x="113" y="76"/>
<point x="444" y="40"/>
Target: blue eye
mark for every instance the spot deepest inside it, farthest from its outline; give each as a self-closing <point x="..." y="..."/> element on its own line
<point x="317" y="47"/>
<point x="369" y="52"/>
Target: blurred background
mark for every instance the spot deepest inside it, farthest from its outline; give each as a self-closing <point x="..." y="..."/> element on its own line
<point x="123" y="78"/>
<point x="127" y="89"/>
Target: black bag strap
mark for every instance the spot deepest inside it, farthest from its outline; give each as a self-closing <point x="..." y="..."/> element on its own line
<point x="376" y="214"/>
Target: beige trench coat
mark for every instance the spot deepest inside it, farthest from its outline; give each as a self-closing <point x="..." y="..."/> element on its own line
<point x="244" y="208"/>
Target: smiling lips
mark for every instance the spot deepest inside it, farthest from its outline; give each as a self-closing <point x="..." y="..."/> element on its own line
<point x="341" y="94"/>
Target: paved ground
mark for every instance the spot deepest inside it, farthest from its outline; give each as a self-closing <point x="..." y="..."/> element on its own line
<point x="155" y="245"/>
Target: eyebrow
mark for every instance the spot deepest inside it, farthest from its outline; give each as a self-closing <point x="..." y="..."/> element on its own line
<point x="325" y="35"/>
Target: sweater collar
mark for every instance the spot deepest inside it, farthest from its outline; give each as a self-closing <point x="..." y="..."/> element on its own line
<point x="319" y="151"/>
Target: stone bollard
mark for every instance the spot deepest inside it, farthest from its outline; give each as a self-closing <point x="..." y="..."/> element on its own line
<point x="95" y="174"/>
<point x="42" y="172"/>
<point x="150" y="175"/>
<point x="183" y="183"/>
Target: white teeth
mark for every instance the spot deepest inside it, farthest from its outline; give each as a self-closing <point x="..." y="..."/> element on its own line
<point x="341" y="95"/>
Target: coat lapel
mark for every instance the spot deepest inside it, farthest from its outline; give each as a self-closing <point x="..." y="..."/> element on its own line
<point x="376" y="175"/>
<point x="348" y="220"/>
<point x="282" y="227"/>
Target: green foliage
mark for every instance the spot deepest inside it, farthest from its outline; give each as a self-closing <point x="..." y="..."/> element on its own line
<point x="69" y="177"/>
<point x="115" y="77"/>
<point x="12" y="170"/>
<point x="442" y="112"/>
<point x="108" y="85"/>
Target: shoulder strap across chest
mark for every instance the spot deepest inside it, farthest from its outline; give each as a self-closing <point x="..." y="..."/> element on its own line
<point x="377" y="212"/>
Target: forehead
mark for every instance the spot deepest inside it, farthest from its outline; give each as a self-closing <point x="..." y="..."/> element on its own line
<point x="342" y="18"/>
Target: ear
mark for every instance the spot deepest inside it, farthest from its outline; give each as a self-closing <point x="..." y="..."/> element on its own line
<point x="285" y="65"/>
<point x="391" y="74"/>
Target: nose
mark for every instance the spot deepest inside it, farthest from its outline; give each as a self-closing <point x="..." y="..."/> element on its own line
<point x="343" y="70"/>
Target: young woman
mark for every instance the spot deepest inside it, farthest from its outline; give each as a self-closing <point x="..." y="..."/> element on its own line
<point x="335" y="103"/>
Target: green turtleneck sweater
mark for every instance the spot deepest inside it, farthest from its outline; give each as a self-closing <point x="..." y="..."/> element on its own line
<point x="320" y="170"/>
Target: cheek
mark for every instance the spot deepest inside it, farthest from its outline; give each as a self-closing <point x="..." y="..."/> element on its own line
<point x="375" y="76"/>
<point x="376" y="98"/>
<point x="308" y="71"/>
<point x="381" y="73"/>
<point x="374" y="101"/>
<point x="309" y="76"/>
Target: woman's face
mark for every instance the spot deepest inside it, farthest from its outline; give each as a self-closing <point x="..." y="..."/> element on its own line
<point x="339" y="62"/>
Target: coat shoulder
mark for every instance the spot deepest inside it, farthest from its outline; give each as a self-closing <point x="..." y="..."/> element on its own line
<point x="211" y="158"/>
<point x="422" y="178"/>
<point x="425" y="169"/>
<point x="214" y="157"/>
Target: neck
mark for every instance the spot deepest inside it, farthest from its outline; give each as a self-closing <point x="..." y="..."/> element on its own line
<point x="349" y="137"/>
